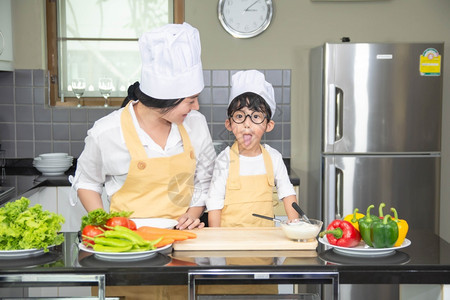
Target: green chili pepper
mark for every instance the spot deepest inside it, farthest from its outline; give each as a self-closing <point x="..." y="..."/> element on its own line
<point x="137" y="248"/>
<point x="132" y="237"/>
<point x="365" y="226"/>
<point x="385" y="233"/>
<point x="113" y="242"/>
<point x="103" y="248"/>
<point x="130" y="232"/>
<point x="154" y="242"/>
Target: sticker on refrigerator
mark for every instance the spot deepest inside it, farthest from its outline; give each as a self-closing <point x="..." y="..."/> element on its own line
<point x="430" y="63"/>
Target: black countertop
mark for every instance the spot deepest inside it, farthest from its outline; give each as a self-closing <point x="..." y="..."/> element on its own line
<point x="23" y="177"/>
<point x="425" y="261"/>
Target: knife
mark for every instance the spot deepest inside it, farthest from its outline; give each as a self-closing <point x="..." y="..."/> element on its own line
<point x="300" y="211"/>
<point x="266" y="217"/>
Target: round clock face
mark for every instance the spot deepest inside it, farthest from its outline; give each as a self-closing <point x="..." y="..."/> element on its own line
<point x="245" y="18"/>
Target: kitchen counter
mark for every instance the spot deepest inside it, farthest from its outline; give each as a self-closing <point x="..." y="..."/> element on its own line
<point x="25" y="183"/>
<point x="425" y="261"/>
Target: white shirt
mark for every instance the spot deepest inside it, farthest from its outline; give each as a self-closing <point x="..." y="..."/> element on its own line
<point x="247" y="166"/>
<point x="105" y="159"/>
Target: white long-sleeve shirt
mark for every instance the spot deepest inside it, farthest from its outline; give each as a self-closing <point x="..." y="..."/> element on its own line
<point x="247" y="166"/>
<point x="105" y="158"/>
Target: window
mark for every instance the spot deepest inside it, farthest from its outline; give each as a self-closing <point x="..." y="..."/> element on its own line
<point x="92" y="39"/>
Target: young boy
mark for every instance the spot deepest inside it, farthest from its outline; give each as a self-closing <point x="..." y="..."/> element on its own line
<point x="245" y="174"/>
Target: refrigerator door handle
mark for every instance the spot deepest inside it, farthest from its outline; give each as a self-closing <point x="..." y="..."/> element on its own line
<point x="339" y="97"/>
<point x="333" y="192"/>
<point x="339" y="203"/>
<point x="330" y="118"/>
<point x="330" y="204"/>
<point x="334" y="116"/>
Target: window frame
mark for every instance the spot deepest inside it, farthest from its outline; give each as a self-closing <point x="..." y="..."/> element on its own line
<point x="52" y="58"/>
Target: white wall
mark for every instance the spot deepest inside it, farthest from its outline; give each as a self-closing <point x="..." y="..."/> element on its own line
<point x="297" y="26"/>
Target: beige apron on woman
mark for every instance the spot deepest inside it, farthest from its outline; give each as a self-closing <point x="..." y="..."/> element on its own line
<point x="155" y="187"/>
<point x="246" y="195"/>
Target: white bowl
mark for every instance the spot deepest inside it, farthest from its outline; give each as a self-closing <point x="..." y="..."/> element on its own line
<point x="300" y="230"/>
<point x="53" y="155"/>
<point x="52" y="171"/>
<point x="155" y="222"/>
<point x="53" y="164"/>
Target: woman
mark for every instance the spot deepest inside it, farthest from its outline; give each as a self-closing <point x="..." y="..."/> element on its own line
<point x="154" y="156"/>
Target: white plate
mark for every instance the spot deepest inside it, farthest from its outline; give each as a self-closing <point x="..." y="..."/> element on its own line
<point x="155" y="222"/>
<point x="20" y="253"/>
<point x="53" y="165"/>
<point x="362" y="250"/>
<point x="122" y="256"/>
<point x="52" y="173"/>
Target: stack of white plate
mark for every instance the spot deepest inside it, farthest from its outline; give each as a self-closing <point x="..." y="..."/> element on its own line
<point x="53" y="164"/>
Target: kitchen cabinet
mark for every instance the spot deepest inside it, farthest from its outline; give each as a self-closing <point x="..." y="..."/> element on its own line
<point x="56" y="199"/>
<point x="45" y="196"/>
<point x="6" y="41"/>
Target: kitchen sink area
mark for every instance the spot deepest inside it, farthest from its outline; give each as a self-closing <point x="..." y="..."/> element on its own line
<point x="6" y="192"/>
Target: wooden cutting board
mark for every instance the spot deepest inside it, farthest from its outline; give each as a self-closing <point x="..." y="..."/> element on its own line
<point x="242" y="238"/>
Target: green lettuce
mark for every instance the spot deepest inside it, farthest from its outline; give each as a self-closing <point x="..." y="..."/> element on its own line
<point x="24" y="227"/>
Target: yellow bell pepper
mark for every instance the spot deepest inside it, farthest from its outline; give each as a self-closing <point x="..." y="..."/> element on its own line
<point x="353" y="218"/>
<point x="402" y="228"/>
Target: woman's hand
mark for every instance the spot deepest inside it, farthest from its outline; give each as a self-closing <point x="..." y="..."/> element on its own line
<point x="187" y="222"/>
<point x="190" y="219"/>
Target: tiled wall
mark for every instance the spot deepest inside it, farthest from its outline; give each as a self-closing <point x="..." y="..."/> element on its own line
<point x="29" y="127"/>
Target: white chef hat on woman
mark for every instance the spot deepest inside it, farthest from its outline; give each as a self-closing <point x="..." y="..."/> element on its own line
<point x="171" y="62"/>
<point x="255" y="82"/>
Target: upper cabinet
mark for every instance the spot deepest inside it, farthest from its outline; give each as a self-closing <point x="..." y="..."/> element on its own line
<point x="6" y="37"/>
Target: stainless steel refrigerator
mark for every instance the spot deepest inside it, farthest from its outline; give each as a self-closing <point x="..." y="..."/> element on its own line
<point x="375" y="131"/>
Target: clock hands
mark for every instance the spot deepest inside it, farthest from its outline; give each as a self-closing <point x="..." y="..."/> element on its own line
<point x="248" y="8"/>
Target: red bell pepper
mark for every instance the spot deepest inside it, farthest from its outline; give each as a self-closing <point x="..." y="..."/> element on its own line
<point x="342" y="233"/>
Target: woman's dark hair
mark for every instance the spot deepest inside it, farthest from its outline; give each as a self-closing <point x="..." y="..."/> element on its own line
<point x="252" y="101"/>
<point x="134" y="93"/>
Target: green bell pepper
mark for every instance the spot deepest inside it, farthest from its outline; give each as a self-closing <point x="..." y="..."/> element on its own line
<point x="365" y="226"/>
<point x="384" y="233"/>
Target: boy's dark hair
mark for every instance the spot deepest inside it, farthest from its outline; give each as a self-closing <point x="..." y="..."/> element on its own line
<point x="252" y="101"/>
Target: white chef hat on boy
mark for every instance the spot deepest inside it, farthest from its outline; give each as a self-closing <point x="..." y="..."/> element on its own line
<point x="171" y="62"/>
<point x="255" y="82"/>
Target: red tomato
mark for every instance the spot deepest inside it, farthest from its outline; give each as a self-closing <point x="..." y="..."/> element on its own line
<point x="90" y="231"/>
<point x="118" y="221"/>
<point x="131" y="224"/>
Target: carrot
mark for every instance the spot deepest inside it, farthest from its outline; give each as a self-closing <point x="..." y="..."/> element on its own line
<point x="149" y="236"/>
<point x="167" y="232"/>
<point x="164" y="242"/>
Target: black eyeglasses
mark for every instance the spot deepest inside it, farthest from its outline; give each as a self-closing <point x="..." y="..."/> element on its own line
<point x="256" y="117"/>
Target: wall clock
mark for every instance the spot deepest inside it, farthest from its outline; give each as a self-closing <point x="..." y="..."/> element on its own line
<point x="245" y="18"/>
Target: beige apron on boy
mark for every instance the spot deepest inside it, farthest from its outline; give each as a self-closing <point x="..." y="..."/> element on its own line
<point x="246" y="195"/>
<point x="155" y="187"/>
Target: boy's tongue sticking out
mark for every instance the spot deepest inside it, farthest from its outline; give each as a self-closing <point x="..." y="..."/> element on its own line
<point x="247" y="139"/>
